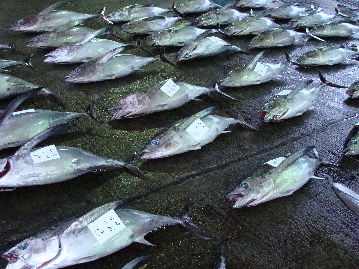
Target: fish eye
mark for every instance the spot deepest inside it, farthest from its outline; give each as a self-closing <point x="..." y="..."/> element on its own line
<point x="23" y="246"/>
<point x="155" y="142"/>
<point x="244" y="185"/>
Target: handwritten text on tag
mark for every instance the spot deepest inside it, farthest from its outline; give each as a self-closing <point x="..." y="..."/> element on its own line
<point x="23" y="111"/>
<point x="197" y="129"/>
<point x="260" y="69"/>
<point x="170" y="88"/>
<point x="45" y="154"/>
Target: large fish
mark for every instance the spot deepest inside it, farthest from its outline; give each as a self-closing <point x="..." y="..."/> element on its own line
<point x="278" y="38"/>
<point x="348" y="196"/>
<point x="255" y="73"/>
<point x="110" y="66"/>
<point x="51" y="164"/>
<point x="290" y="104"/>
<point x="194" y="6"/>
<point x="312" y="19"/>
<point x="286" y="11"/>
<point x="135" y="12"/>
<point x="149" y="25"/>
<point x="253" y="3"/>
<point x="187" y="134"/>
<point x="168" y="94"/>
<point x="274" y="180"/>
<point x="51" y="19"/>
<point x="88" y="49"/>
<point x="336" y="29"/>
<point x="99" y="233"/>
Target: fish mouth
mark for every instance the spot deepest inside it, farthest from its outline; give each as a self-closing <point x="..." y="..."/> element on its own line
<point x="247" y="204"/>
<point x="350" y="92"/>
<point x="234" y="196"/>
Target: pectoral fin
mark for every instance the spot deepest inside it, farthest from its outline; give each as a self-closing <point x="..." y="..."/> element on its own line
<point x="142" y="240"/>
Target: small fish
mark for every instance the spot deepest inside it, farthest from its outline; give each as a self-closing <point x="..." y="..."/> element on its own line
<point x="110" y="66"/>
<point x="253" y="3"/>
<point x="223" y="16"/>
<point x="251" y="25"/>
<point x="51" y="19"/>
<point x="349" y="197"/>
<point x="187" y="134"/>
<point x="272" y="181"/>
<point x="336" y="29"/>
<point x="194" y="6"/>
<point x="286" y="11"/>
<point x="135" y="262"/>
<point x="255" y="73"/>
<point x="312" y="19"/>
<point x="51" y="164"/>
<point x="149" y="25"/>
<point x="326" y="56"/>
<point x="86" y="50"/>
<point x="135" y="12"/>
<point x="168" y="94"/>
<point x="352" y="142"/>
<point x="60" y="38"/>
<point x="88" y="237"/>
<point x="288" y="105"/>
<point x="278" y="38"/>
<point x="204" y="47"/>
<point x="176" y="36"/>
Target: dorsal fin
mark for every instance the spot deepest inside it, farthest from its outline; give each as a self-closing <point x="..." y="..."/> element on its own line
<point x="253" y="63"/>
<point x="90" y="36"/>
<point x="52" y="8"/>
<point x="199" y="115"/>
<point x="109" y="55"/>
<point x="300" y="87"/>
<point x="205" y="34"/>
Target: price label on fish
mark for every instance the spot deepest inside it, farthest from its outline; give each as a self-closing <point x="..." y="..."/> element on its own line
<point x="170" y="88"/>
<point x="24" y="111"/>
<point x="45" y="154"/>
<point x="275" y="162"/>
<point x="106" y="226"/>
<point x="197" y="129"/>
<point x="260" y="69"/>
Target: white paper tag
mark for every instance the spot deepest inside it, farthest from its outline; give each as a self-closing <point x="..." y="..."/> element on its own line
<point x="106" y="226"/>
<point x="275" y="162"/>
<point x="197" y="129"/>
<point x="260" y="68"/>
<point x="45" y="154"/>
<point x="170" y="88"/>
<point x="284" y="92"/>
<point x="23" y="111"/>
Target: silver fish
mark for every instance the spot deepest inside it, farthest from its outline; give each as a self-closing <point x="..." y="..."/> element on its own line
<point x="194" y="6"/>
<point x="50" y="164"/>
<point x="326" y="56"/>
<point x="60" y="38"/>
<point x="251" y="25"/>
<point x="110" y="66"/>
<point x="135" y="12"/>
<point x="86" y="50"/>
<point x="204" y="47"/>
<point x="168" y="94"/>
<point x="312" y="19"/>
<point x="51" y="19"/>
<point x="271" y="182"/>
<point x="253" y="3"/>
<point x="176" y="36"/>
<point x="187" y="134"/>
<point x="88" y="237"/>
<point x="290" y="104"/>
<point x="149" y="25"/>
<point x="278" y="38"/>
<point x="255" y="73"/>
<point x="348" y="196"/>
<point x="351" y="143"/>
<point x="8" y="63"/>
<point x="336" y="29"/>
<point x="286" y="12"/>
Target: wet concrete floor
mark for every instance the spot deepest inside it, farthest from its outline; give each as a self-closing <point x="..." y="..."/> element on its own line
<point x="310" y="229"/>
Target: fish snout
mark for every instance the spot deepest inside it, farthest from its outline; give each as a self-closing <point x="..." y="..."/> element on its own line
<point x="234" y="196"/>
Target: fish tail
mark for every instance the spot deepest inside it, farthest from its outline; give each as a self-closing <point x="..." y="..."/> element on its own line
<point x="53" y="97"/>
<point x="186" y="222"/>
<point x="101" y="14"/>
<point x="90" y="111"/>
<point x="216" y="88"/>
<point x="324" y="80"/>
<point x="28" y="63"/>
<point x="314" y="36"/>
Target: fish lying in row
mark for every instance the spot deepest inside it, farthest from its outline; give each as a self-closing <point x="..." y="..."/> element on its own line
<point x="149" y="25"/>
<point x="286" y="11"/>
<point x="350" y="198"/>
<point x="168" y="94"/>
<point x="51" y="164"/>
<point x="276" y="178"/>
<point x="99" y="233"/>
<point x="4" y="64"/>
<point x="314" y="18"/>
<point x="289" y="104"/>
<point x="111" y="65"/>
<point x="194" y="6"/>
<point x="255" y="73"/>
<point x="336" y="29"/>
<point x="253" y="3"/>
<point x="51" y="19"/>
<point x="188" y="134"/>
<point x="135" y="12"/>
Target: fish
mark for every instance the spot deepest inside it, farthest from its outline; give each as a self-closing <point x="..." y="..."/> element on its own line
<point x="312" y="19"/>
<point x="272" y="181"/>
<point x="204" y="47"/>
<point x="135" y="12"/>
<point x="179" y="36"/>
<point x="336" y="29"/>
<point x="100" y="232"/>
<point x="348" y="196"/>
<point x="255" y="73"/>
<point x="187" y="134"/>
<point x="351" y="144"/>
<point x="149" y="25"/>
<point x="253" y="3"/>
<point x="8" y="63"/>
<point x="288" y="105"/>
<point x="167" y="94"/>
<point x="51" y="164"/>
<point x="353" y="89"/>
<point x="286" y="11"/>
<point x="278" y="38"/>
<point x="329" y="55"/>
<point x="51" y="19"/>
<point x="88" y="49"/>
<point x="5" y="47"/>
<point x="135" y="262"/>
<point x="251" y="25"/>
<point x="222" y="16"/>
<point x="194" y="6"/>
<point x="60" y="38"/>
<point x="110" y="66"/>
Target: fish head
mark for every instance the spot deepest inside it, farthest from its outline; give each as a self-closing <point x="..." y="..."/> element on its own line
<point x="61" y="54"/>
<point x="163" y="145"/>
<point x="353" y="90"/>
<point x="186" y="53"/>
<point x="25" y="24"/>
<point x="247" y="192"/>
<point x="19" y="257"/>
<point x="274" y="110"/>
<point x="130" y="106"/>
<point x="39" y="40"/>
<point x="82" y="73"/>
